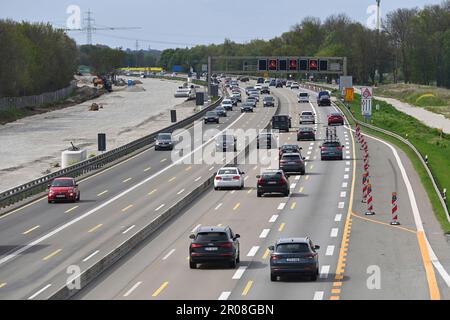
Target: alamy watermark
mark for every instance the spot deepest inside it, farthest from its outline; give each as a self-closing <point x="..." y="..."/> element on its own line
<point x="74" y="19"/>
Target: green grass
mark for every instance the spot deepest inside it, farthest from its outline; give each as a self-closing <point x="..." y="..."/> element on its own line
<point x="12" y="114"/>
<point x="427" y="140"/>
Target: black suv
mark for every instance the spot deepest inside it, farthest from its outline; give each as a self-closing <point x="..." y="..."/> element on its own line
<point x="306" y="133"/>
<point x="292" y="163"/>
<point x="274" y="181"/>
<point x="211" y="116"/>
<point x="294" y="256"/>
<point x="214" y="245"/>
<point x="164" y="141"/>
<point x="281" y="122"/>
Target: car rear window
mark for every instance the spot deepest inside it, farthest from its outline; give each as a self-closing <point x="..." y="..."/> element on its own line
<point x="271" y="175"/>
<point x="331" y="144"/>
<point x="212" y="236"/>
<point x="228" y="171"/>
<point x="307" y="113"/>
<point x="306" y="129"/>
<point x="280" y="118"/>
<point x="211" y="114"/>
<point x="292" y="248"/>
<point x="62" y="183"/>
<point x="303" y="94"/>
<point x="268" y="98"/>
<point x="291" y="157"/>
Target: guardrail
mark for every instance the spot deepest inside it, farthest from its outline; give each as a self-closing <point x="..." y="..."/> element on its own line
<point x="94" y="271"/>
<point x="32" y="188"/>
<point x="400" y="138"/>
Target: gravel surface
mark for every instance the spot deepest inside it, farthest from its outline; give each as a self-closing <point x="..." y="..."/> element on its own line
<point x="30" y="147"/>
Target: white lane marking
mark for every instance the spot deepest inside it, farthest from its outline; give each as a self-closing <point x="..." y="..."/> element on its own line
<point x="180" y="192"/>
<point x="196" y="180"/>
<point x="293" y="185"/>
<point x="338" y="218"/>
<point x="344" y="185"/>
<point x="132" y="289"/>
<point x="347" y="169"/>
<point x="232" y="192"/>
<point x="347" y="152"/>
<point x="108" y="202"/>
<point x="334" y="232"/>
<point x="297" y="178"/>
<point x="129" y="229"/>
<point x="310" y="148"/>
<point x="306" y="158"/>
<point x="253" y="251"/>
<point x="195" y="228"/>
<point x="318" y="295"/>
<point x="343" y="194"/>
<point x="346" y="176"/>
<point x="255" y="167"/>
<point x="40" y="291"/>
<point x="264" y="233"/>
<point x="330" y="251"/>
<point x="224" y="295"/>
<point x="311" y="144"/>
<point x="90" y="256"/>
<point x="417" y="218"/>
<point x="324" y="272"/>
<point x="281" y="206"/>
<point x="211" y="169"/>
<point x="309" y="153"/>
<point x="347" y="163"/>
<point x="218" y="206"/>
<point x="160" y="207"/>
<point x="273" y="218"/>
<point x="239" y="273"/>
<point x="168" y="254"/>
<point x="348" y="157"/>
<point x="341" y="205"/>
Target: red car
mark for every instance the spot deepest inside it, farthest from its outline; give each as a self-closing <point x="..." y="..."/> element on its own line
<point x="335" y="118"/>
<point x="63" y="189"/>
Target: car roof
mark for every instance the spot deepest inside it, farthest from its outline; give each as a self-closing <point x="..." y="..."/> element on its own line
<point x="290" y="146"/>
<point x="211" y="229"/>
<point x="306" y="129"/>
<point x="291" y="154"/>
<point x="335" y="114"/>
<point x="293" y="240"/>
<point x="64" y="178"/>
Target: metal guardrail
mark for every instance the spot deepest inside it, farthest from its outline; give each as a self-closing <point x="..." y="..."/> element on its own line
<point x="400" y="138"/>
<point x="39" y="185"/>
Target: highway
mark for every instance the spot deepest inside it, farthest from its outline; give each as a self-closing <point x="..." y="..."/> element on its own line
<point x="40" y="241"/>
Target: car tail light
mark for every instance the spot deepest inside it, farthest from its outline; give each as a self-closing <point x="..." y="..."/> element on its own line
<point x="282" y="161"/>
<point x="309" y="256"/>
<point x="323" y="148"/>
<point x="283" y="181"/>
<point x="226" y="245"/>
<point x="195" y="245"/>
<point x="236" y="178"/>
<point x="274" y="257"/>
<point x="218" y="178"/>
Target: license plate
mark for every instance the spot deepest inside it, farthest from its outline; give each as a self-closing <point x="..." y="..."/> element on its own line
<point x="60" y="196"/>
<point x="293" y="260"/>
<point x="272" y="182"/>
<point x="291" y="163"/>
<point x="211" y="249"/>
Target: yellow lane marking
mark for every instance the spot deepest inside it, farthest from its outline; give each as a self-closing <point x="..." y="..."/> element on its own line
<point x="2" y="285"/>
<point x="282" y="227"/>
<point x="250" y="191"/>
<point x="95" y="228"/>
<point x="152" y="192"/>
<point x="246" y="178"/>
<point x="30" y="230"/>
<point x="172" y="179"/>
<point x="160" y="289"/>
<point x="247" y="288"/>
<point x="307" y="178"/>
<point x="127" y="208"/>
<point x="71" y="209"/>
<point x="188" y="168"/>
<point x="301" y="189"/>
<point x="102" y="193"/>
<point x="336" y="291"/>
<point x="334" y="298"/>
<point x="163" y="160"/>
<point x="383" y="223"/>
<point x="237" y="206"/>
<point x="266" y="254"/>
<point x="431" y="276"/>
<point x="293" y="205"/>
<point x="126" y="180"/>
<point x="54" y="253"/>
<point x="337" y="284"/>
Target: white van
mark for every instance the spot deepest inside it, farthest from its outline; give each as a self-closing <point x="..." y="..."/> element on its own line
<point x="303" y="97"/>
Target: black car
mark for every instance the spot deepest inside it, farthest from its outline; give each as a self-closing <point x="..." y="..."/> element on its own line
<point x="164" y="142"/>
<point x="247" y="107"/>
<point x="294" y="256"/>
<point x="292" y="163"/>
<point x="266" y="141"/>
<point x="265" y="90"/>
<point x="279" y="84"/>
<point x="273" y="181"/>
<point x="211" y="116"/>
<point x="245" y="79"/>
<point x="269" y="101"/>
<point x="306" y="133"/>
<point x="281" y="122"/>
<point x="221" y="112"/>
<point x="214" y="245"/>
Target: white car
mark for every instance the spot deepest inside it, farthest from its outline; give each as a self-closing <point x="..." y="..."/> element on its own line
<point x="295" y="85"/>
<point x="303" y="97"/>
<point x="229" y="177"/>
<point x="227" y="104"/>
<point x="258" y="86"/>
<point x="288" y="84"/>
<point x="307" y="116"/>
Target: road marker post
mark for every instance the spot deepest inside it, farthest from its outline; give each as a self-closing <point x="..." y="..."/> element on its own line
<point x="369" y="211"/>
<point x="365" y="183"/>
<point x="394" y="221"/>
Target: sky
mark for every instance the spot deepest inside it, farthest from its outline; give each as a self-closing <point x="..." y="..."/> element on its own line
<point x="179" y="23"/>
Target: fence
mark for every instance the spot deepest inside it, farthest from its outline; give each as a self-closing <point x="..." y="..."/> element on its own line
<point x="39" y="100"/>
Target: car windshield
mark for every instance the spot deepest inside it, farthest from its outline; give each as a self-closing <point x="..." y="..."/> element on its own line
<point x="226" y="102"/>
<point x="303" y="94"/>
<point x="165" y="136"/>
<point x="228" y="171"/>
<point x="292" y="248"/>
<point x="306" y="129"/>
<point x="280" y="118"/>
<point x="307" y="113"/>
<point x="268" y="98"/>
<point x="212" y="236"/>
<point x="289" y="147"/>
<point x="63" y="183"/>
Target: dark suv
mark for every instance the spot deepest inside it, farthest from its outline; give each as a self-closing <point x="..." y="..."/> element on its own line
<point x="164" y="142"/>
<point x="281" y="122"/>
<point x="292" y="163"/>
<point x="214" y="245"/>
<point x="294" y="256"/>
<point x="211" y="116"/>
<point x="273" y="181"/>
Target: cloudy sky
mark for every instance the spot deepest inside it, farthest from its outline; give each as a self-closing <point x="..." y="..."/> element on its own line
<point x="179" y="23"/>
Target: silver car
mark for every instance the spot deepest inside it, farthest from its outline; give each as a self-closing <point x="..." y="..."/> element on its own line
<point x="230" y="177"/>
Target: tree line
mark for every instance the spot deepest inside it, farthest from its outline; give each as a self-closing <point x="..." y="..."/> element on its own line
<point x="413" y="46"/>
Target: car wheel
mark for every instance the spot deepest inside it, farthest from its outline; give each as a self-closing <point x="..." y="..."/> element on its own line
<point x="79" y="195"/>
<point x="259" y="194"/>
<point x="286" y="194"/>
<point x="303" y="173"/>
<point x="192" y="265"/>
<point x="233" y="264"/>
<point x="49" y="201"/>
<point x="273" y="277"/>
<point x="298" y="139"/>
<point x="314" y="277"/>
<point x="238" y="260"/>
<point x="215" y="188"/>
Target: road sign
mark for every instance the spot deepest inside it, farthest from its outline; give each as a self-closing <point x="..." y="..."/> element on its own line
<point x="345" y="82"/>
<point x="366" y="101"/>
<point x="349" y="94"/>
<point x="204" y="67"/>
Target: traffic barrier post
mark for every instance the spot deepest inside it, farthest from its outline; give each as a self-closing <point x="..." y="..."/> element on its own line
<point x="369" y="211"/>
<point x="394" y="221"/>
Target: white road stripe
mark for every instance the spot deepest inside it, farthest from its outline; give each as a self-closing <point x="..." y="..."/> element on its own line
<point x="347" y="163"/>
<point x="324" y="272"/>
<point x="180" y="192"/>
<point x="239" y="273"/>
<point x="195" y="228"/>
<point x="334" y="232"/>
<point x="218" y="206"/>
<point x="341" y="205"/>
<point x="129" y="229"/>
<point x="132" y="289"/>
<point x="330" y="251"/>
<point x="273" y="218"/>
<point x="40" y="291"/>
<point x="90" y="256"/>
<point x="347" y="169"/>
<point x="160" y="207"/>
<point x="196" y="180"/>
<point x="297" y="178"/>
<point x="346" y="176"/>
<point x="293" y="185"/>
<point x="168" y="255"/>
<point x="253" y="251"/>
<point x="264" y="233"/>
<point x="344" y="185"/>
<point x="343" y="194"/>
<point x="338" y="218"/>
<point x="224" y="295"/>
<point x="281" y="206"/>
<point x="318" y="295"/>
